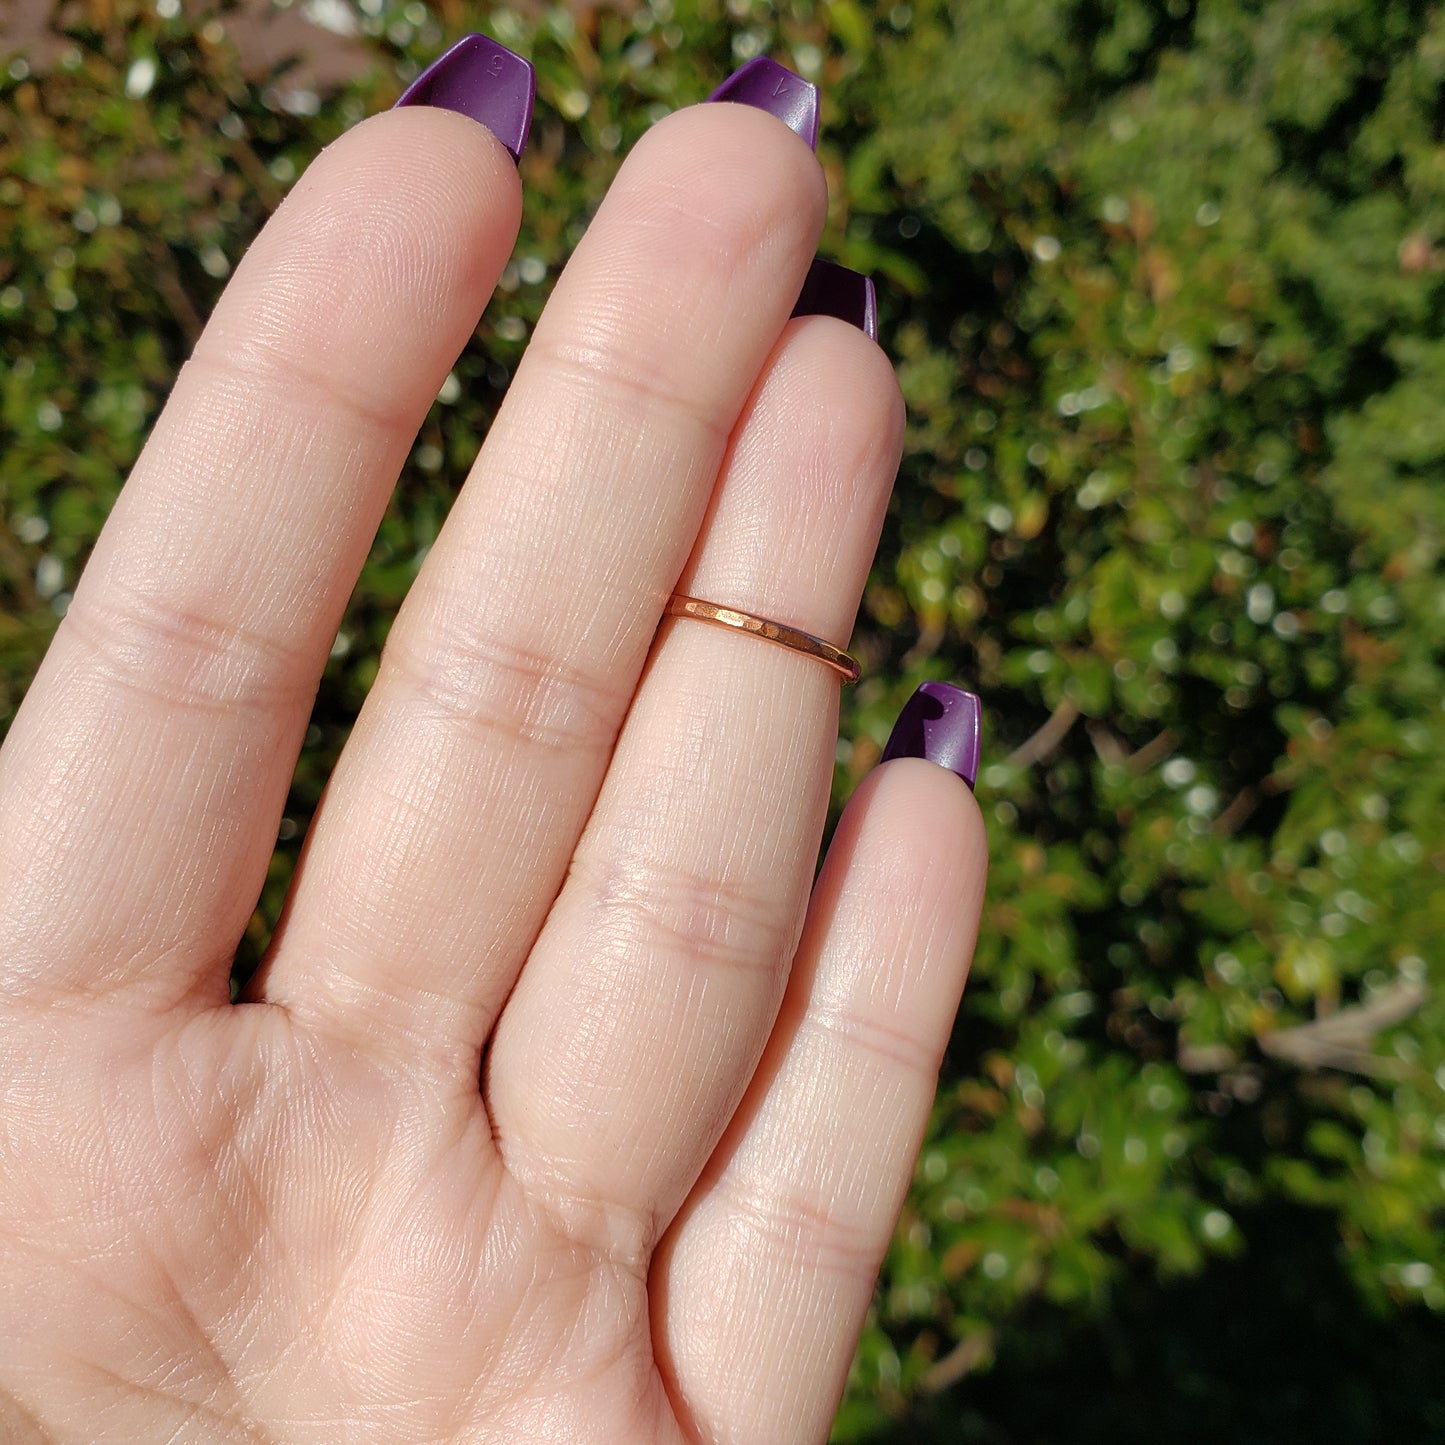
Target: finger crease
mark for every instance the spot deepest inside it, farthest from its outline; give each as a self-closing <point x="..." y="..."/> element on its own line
<point x="266" y="368"/>
<point x="185" y="658"/>
<point x="815" y="1234"/>
<point x="707" y="920"/>
<point x="605" y="375"/>
<point x="522" y="695"/>
<point x="894" y="1048"/>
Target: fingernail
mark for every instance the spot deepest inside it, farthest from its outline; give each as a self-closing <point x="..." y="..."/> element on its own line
<point x="479" y="78"/>
<point x="834" y="290"/>
<point x="942" y="723"/>
<point x="772" y="87"/>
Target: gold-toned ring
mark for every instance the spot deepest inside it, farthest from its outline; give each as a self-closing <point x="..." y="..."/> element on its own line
<point x="842" y="663"/>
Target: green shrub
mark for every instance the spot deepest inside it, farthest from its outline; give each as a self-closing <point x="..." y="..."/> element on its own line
<point x="1164" y="283"/>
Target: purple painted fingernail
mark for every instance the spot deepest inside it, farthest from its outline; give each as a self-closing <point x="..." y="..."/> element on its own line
<point x="834" y="290"/>
<point x="942" y="723"/>
<point x="771" y="87"/>
<point x="479" y="78"/>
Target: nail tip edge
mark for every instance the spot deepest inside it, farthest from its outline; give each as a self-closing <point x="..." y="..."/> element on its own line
<point x="870" y="309"/>
<point x="514" y="142"/>
<point x="822" y="296"/>
<point x="960" y="751"/>
<point x="805" y="127"/>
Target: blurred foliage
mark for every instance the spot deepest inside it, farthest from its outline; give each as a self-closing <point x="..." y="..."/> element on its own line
<point x="1164" y="283"/>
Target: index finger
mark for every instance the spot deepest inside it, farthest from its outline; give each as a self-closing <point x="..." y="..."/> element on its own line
<point x="143" y="779"/>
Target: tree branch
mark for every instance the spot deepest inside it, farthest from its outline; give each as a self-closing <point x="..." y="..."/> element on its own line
<point x="1055" y="728"/>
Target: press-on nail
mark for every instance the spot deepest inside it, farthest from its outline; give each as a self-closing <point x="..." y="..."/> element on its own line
<point x="772" y="87"/>
<point x="484" y="80"/>
<point x="942" y="723"/>
<point x="834" y="290"/>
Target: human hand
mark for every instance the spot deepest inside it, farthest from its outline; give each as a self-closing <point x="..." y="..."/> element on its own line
<point x="561" y="858"/>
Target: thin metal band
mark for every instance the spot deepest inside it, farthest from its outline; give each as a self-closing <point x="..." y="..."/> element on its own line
<point x="841" y="662"/>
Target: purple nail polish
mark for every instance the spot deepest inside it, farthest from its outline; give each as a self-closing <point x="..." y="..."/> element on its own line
<point x="772" y="87"/>
<point x="942" y="723"/>
<point x="483" y="80"/>
<point x="834" y="290"/>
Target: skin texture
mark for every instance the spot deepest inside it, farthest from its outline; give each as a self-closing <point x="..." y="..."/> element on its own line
<point x="557" y="1111"/>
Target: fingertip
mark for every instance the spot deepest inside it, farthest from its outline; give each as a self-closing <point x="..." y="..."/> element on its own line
<point x="382" y="257"/>
<point x="925" y="831"/>
<point x="741" y="152"/>
<point x="901" y="892"/>
<point x="442" y="146"/>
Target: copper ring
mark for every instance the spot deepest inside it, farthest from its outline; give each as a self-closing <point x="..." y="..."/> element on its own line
<point x="841" y="662"/>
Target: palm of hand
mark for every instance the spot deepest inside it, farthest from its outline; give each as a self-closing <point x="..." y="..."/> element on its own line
<point x="223" y="1224"/>
<point x="551" y="1116"/>
<point x="262" y="1224"/>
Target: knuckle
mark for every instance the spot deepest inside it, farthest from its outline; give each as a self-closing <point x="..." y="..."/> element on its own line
<point x="879" y="1041"/>
<point x="270" y="373"/>
<point x="805" y="1227"/>
<point x="709" y="921"/>
<point x="519" y="692"/>
<point x="181" y="653"/>
<point x="611" y="381"/>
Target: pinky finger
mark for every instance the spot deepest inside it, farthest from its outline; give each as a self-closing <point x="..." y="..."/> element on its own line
<point x="762" y="1284"/>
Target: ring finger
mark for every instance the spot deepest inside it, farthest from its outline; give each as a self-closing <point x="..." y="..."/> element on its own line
<point x="647" y="1000"/>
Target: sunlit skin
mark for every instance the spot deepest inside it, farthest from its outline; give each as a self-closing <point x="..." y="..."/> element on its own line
<point x="557" y="1111"/>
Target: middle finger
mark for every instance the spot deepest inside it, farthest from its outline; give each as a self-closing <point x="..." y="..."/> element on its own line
<point x="450" y="820"/>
